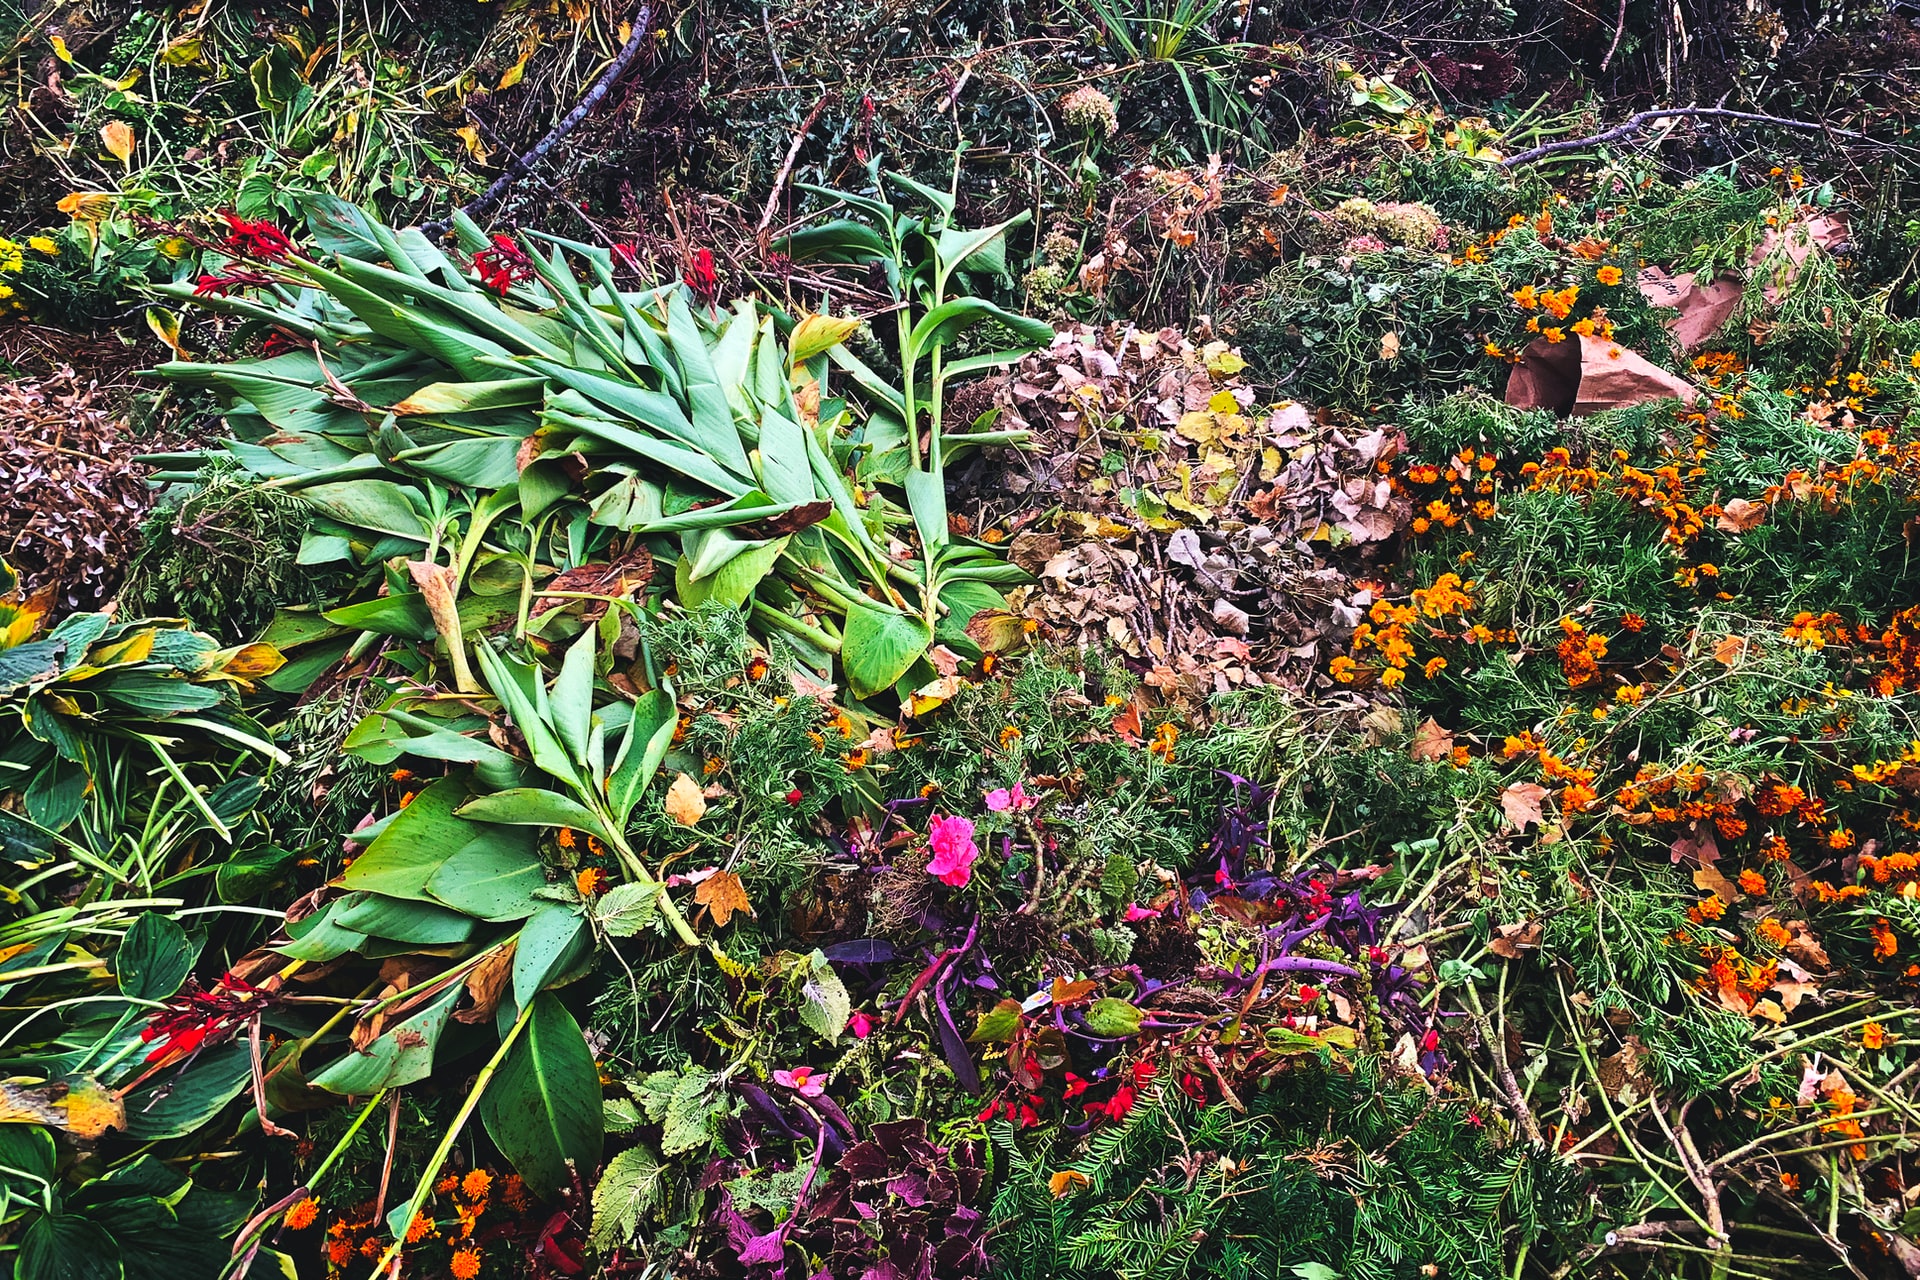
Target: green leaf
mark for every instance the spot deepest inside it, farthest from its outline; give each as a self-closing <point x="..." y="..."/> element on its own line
<point x="630" y="1186"/>
<point x="154" y="958"/>
<point x="950" y="319"/>
<point x="401" y="1054"/>
<point x="649" y="735"/>
<point x="379" y="505"/>
<point x="927" y="499"/>
<point x="534" y="807"/>
<point x="67" y="1247"/>
<point x="878" y="647"/>
<point x="422" y="924"/>
<point x="542" y="1108"/>
<point x="997" y="1024"/>
<point x="626" y="909"/>
<point x="415" y="844"/>
<point x="825" y="1005"/>
<point x="182" y="1101"/>
<point x="573" y="697"/>
<point x="553" y="939"/>
<point x="494" y="877"/>
<point x="1111" y="1017"/>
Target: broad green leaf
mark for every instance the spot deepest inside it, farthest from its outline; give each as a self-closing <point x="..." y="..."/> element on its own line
<point x="67" y="1247"/>
<point x="997" y="1024"/>
<point x="815" y="334"/>
<point x="735" y="567"/>
<point x="950" y="319"/>
<point x="182" y="1101"/>
<point x="626" y="909"/>
<point x="423" y="924"/>
<point x="1108" y="1016"/>
<point x="825" y="1005"/>
<point x="154" y="958"/>
<point x="420" y="838"/>
<point x="553" y="939"/>
<point x="630" y="1187"/>
<point x="927" y="499"/>
<point x="534" y="807"/>
<point x="379" y="505"/>
<point x="503" y="678"/>
<point x="401" y="1054"/>
<point x="878" y="646"/>
<point x="573" y="697"/>
<point x="542" y="1107"/>
<point x="784" y="469"/>
<point x="494" y="877"/>
<point x="649" y="734"/>
<point x="712" y="415"/>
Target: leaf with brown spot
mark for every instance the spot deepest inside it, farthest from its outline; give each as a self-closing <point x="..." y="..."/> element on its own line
<point x="1521" y="803"/>
<point x="1510" y="940"/>
<point x="486" y="984"/>
<point x="722" y="894"/>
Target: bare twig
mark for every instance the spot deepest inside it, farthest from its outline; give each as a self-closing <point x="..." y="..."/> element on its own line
<point x="786" y="169"/>
<point x="524" y="164"/>
<point x="1640" y="119"/>
<point x="1619" y="29"/>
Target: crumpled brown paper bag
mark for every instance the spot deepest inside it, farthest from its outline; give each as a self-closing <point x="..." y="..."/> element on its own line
<point x="1703" y="308"/>
<point x="1581" y="375"/>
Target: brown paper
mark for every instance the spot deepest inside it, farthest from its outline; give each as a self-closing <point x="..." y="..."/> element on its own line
<point x="1581" y="375"/>
<point x="1703" y="308"/>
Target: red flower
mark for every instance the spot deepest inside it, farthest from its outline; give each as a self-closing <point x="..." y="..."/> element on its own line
<point x="502" y="264"/>
<point x="256" y="239"/>
<point x="1075" y="1085"/>
<point x="1143" y="1072"/>
<point x="193" y="1018"/>
<point x="1308" y="994"/>
<point x="793" y="796"/>
<point x="1193" y="1086"/>
<point x="222" y="285"/>
<point x="1028" y="1116"/>
<point x="1116" y="1107"/>
<point x="1430" y="1041"/>
<point x="700" y="276"/>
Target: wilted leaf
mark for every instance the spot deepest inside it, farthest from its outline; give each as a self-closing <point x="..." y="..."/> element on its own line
<point x="1509" y="940"/>
<point x="1431" y="742"/>
<point x="721" y="893"/>
<point x="1066" y="1182"/>
<point x="1737" y="515"/>
<point x="1521" y="803"/>
<point x="117" y="137"/>
<point x="1710" y="879"/>
<point x="685" y="804"/>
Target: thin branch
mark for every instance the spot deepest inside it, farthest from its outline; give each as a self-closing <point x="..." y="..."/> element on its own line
<point x="524" y="164"/>
<point x="786" y="169"/>
<point x="1639" y="120"/>
<point x="1619" y="29"/>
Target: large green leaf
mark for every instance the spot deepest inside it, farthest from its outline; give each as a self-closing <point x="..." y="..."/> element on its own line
<point x="494" y="877"/>
<point x="184" y="1100"/>
<point x="649" y="734"/>
<point x="420" y="838"/>
<point x="534" y="807"/>
<point x="542" y="1107"/>
<point x="878" y="646"/>
<point x="154" y="958"/>
<point x="379" y="505"/>
<point x="67" y="1247"/>
<point x="422" y="924"/>
<point x="551" y="942"/>
<point x="399" y="1055"/>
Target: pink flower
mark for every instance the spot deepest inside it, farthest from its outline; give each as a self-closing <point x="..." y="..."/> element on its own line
<point x="1002" y="800"/>
<point x="862" y="1024"/>
<point x="953" y="850"/>
<point x="1137" y="913"/>
<point x="801" y="1080"/>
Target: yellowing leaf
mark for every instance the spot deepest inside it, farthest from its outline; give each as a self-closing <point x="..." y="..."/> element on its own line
<point x="92" y="1110"/>
<point x="60" y="51"/>
<point x="1223" y="402"/>
<point x="685" y="804"/>
<point x="816" y="334"/>
<point x="166" y="327"/>
<point x="1066" y="1182"/>
<point x="720" y="893"/>
<point x="183" y="52"/>
<point x="85" y="206"/>
<point x="475" y="147"/>
<point x="518" y="69"/>
<point x="1222" y="360"/>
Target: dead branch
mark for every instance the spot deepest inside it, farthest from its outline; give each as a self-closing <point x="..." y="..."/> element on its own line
<point x="1641" y="119"/>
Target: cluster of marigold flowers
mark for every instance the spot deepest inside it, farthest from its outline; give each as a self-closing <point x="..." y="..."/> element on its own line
<point x="1470" y="489"/>
<point x="359" y="1233"/>
<point x="1385" y="639"/>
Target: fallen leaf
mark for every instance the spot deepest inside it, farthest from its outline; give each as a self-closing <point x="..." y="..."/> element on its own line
<point x="685" y="803"/>
<point x="1509" y="940"/>
<point x="1066" y="1182"/>
<point x="1805" y="946"/>
<point x="1521" y="803"/>
<point x="487" y="983"/>
<point x="1728" y="651"/>
<point x="92" y="1110"/>
<point x="1737" y="515"/>
<point x="117" y="137"/>
<point x="1389" y="346"/>
<point x="722" y="894"/>
<point x="1431" y="742"/>
<point x="1709" y="878"/>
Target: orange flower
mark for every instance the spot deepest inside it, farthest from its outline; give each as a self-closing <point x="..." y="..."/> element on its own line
<point x="466" y="1263"/>
<point x="1164" y="739"/>
<point x="1873" y="1036"/>
<point x="1885" y="945"/>
<point x="590" y="881"/>
<point x="402" y="775"/>
<point x="1790" y="1181"/>
<point x="1608" y="275"/>
<point x="476" y="1184"/>
<point x="302" y="1215"/>
<point x="565" y="839"/>
<point x="419" y="1229"/>
<point x="1775" y="932"/>
<point x="1753" y="882"/>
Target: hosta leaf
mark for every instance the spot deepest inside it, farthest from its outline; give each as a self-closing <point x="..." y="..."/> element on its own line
<point x="878" y="646"/>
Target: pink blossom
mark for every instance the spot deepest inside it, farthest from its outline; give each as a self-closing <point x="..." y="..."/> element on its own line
<point x="802" y="1080"/>
<point x="1137" y="913"/>
<point x="862" y="1024"/>
<point x="1002" y="800"/>
<point x="953" y="850"/>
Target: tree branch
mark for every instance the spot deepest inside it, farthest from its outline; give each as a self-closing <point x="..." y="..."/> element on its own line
<point x="1640" y="120"/>
<point x="524" y="164"/>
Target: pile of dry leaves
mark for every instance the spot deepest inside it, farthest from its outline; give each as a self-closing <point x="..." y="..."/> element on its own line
<point x="73" y="496"/>
<point x="1211" y="541"/>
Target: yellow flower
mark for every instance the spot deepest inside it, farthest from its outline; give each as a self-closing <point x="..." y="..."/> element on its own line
<point x="43" y="244"/>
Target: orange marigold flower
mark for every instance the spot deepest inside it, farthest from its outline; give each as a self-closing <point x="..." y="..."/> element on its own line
<point x="1885" y="945"/>
<point x="1164" y="739"/>
<point x="1774" y="932"/>
<point x="1789" y="1181"/>
<point x="465" y="1264"/>
<point x="590" y="881"/>
<point x="1433" y="667"/>
<point x="1752" y="882"/>
<point x="340" y="1252"/>
<point x="402" y="775"/>
<point x="565" y="839"/>
<point x="476" y="1184"/>
<point x="1873" y="1036"/>
<point x="1608" y="275"/>
<point x="1710" y="908"/>
<point x="419" y="1229"/>
<point x="302" y="1215"/>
